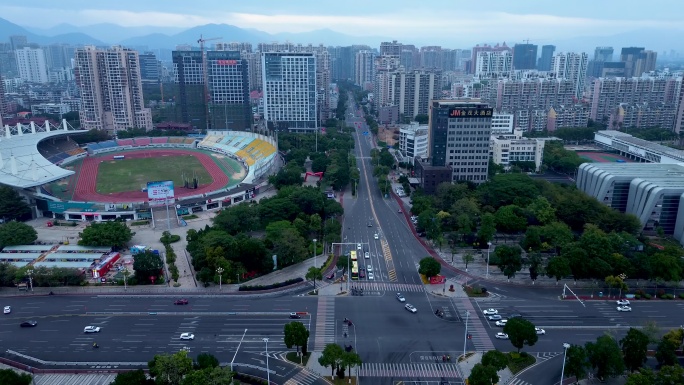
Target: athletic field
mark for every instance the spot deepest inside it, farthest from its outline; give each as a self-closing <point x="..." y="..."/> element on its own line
<point x="123" y="175"/>
<point x="603" y="157"/>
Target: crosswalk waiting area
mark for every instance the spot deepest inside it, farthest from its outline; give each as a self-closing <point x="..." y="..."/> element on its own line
<point x="387" y="286"/>
<point x="433" y="370"/>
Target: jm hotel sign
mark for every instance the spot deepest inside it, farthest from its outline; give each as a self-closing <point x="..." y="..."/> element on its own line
<point x="470" y="112"/>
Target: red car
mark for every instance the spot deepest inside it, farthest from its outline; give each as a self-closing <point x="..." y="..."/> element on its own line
<point x="181" y="302"/>
<point x="362" y="273"/>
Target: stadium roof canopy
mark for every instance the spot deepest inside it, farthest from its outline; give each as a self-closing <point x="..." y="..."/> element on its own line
<point x="21" y="165"/>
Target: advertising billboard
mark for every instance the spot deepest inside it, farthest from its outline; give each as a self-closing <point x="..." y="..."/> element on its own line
<point x="160" y="193"/>
<point x="469" y="112"/>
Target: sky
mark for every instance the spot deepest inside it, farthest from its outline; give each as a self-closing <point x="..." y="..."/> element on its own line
<point x="540" y="21"/>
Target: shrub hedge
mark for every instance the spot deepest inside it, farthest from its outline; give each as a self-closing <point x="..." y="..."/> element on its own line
<point x="271" y="286"/>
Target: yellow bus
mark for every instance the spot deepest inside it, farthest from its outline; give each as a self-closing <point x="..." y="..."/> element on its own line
<point x="353" y="255"/>
<point x="355" y="270"/>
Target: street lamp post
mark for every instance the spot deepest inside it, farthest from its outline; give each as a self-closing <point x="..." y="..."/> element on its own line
<point x="29" y="272"/>
<point x="315" y="240"/>
<point x="465" y="339"/>
<point x="236" y="350"/>
<point x="489" y="245"/>
<point x="268" y="371"/>
<point x="220" y="271"/>
<point x="125" y="274"/>
<point x="565" y="352"/>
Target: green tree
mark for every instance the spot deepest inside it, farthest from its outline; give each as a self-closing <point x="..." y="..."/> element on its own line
<point x="12" y="205"/>
<point x="487" y="228"/>
<point x="605" y="357"/>
<point x="110" y="233"/>
<point x="509" y="259"/>
<point x="429" y="267"/>
<point x="209" y="376"/>
<point x="510" y="219"/>
<point x="495" y="359"/>
<point x="520" y="332"/>
<point x="169" y="369"/>
<point x="644" y="376"/>
<point x="557" y="235"/>
<point x="16" y="233"/>
<point x="666" y="352"/>
<point x="134" y="377"/>
<point x="483" y="375"/>
<point x="331" y="357"/>
<point x="670" y="375"/>
<point x="349" y="360"/>
<point x="313" y="274"/>
<point x="576" y="363"/>
<point x="634" y="347"/>
<point x="147" y="265"/>
<point x="297" y="335"/>
<point x="10" y="377"/>
<point x="206" y="360"/>
<point x="467" y="258"/>
<point x="542" y="210"/>
<point x="237" y="219"/>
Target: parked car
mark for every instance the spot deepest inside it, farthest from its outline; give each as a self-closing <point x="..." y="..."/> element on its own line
<point x="181" y="302"/>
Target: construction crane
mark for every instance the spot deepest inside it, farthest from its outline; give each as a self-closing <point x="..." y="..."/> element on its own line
<point x="205" y="74"/>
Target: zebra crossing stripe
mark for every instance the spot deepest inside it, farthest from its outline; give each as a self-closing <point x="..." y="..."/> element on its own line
<point x="433" y="370"/>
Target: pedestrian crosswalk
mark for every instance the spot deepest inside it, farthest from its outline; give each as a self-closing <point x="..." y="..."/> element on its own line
<point x="303" y="376"/>
<point x="387" y="286"/>
<point x="409" y="370"/>
<point x="479" y="337"/>
<point x="517" y="381"/>
<point x="325" y="323"/>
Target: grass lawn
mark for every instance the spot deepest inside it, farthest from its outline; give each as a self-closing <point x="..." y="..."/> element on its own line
<point x="293" y="357"/>
<point x="519" y="361"/>
<point x="132" y="174"/>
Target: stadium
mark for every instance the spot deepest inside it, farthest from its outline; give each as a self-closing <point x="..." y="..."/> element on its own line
<point x="132" y="179"/>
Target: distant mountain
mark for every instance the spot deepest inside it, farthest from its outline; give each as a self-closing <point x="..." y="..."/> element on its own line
<point x="8" y="29"/>
<point x="328" y="37"/>
<point x="107" y="32"/>
<point x="190" y="36"/>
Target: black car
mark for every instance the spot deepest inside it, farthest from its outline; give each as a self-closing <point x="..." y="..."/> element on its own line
<point x="181" y="302"/>
<point x="28" y="324"/>
<point x="295" y="316"/>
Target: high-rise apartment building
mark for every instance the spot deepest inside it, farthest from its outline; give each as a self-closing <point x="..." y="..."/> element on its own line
<point x="607" y="94"/>
<point x="460" y="132"/>
<point x="32" y="65"/>
<point x="385" y="66"/>
<point x="494" y="64"/>
<point x="342" y="63"/>
<point x="525" y="56"/>
<point x="431" y="57"/>
<point x="18" y="41"/>
<point x="364" y="68"/>
<point x="603" y="54"/>
<point x="150" y="68"/>
<point x="571" y="66"/>
<point x="486" y="48"/>
<point x="191" y="105"/>
<point x="637" y="60"/>
<point x="390" y="48"/>
<point x="412" y="91"/>
<point x="290" y="90"/>
<point x="544" y="63"/>
<point x="111" y="89"/>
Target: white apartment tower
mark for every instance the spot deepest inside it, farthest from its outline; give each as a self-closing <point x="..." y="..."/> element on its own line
<point x="571" y="66"/>
<point x="32" y="64"/>
<point x="493" y="63"/>
<point x="111" y="89"/>
<point x="290" y="90"/>
<point x="364" y="67"/>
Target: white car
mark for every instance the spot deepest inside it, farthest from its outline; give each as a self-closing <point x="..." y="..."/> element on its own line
<point x="7" y="310"/>
<point x="540" y="331"/>
<point x="91" y="329"/>
<point x="375" y="236"/>
<point x="410" y="308"/>
<point x="623" y="302"/>
<point x="624" y="308"/>
<point x="502" y="323"/>
<point x="494" y="317"/>
<point x="366" y="255"/>
<point x="358" y="246"/>
<point x="369" y="268"/>
<point x="371" y="276"/>
<point x="502" y="336"/>
<point x="187" y="336"/>
<point x="400" y="297"/>
<point x="490" y="311"/>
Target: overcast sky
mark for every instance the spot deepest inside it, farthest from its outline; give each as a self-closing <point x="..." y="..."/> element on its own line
<point x="541" y="21"/>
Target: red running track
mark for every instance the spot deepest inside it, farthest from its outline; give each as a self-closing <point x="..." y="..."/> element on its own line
<point x="87" y="178"/>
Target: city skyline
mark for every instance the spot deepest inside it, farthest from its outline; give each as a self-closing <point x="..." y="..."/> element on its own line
<point x="426" y="24"/>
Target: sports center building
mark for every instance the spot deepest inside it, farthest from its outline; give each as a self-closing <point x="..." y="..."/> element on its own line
<point x="58" y="177"/>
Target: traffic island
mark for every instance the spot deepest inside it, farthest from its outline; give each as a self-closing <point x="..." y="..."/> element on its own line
<point x="341" y="381"/>
<point x="519" y="361"/>
<point x="297" y="358"/>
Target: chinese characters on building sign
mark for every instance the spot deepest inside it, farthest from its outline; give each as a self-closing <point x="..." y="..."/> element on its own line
<point x="470" y="112"/>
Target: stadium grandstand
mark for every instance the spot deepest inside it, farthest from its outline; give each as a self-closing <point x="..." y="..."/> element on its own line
<point x="256" y="152"/>
<point x="30" y="154"/>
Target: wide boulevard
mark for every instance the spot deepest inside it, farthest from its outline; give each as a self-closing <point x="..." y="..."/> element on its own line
<point x="394" y="344"/>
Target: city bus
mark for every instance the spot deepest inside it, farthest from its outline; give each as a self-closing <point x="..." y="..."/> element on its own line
<point x="355" y="270"/>
<point x="352" y="254"/>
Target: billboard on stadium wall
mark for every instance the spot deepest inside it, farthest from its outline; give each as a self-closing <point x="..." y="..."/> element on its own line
<point x="160" y="193"/>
